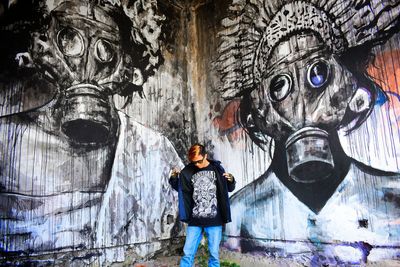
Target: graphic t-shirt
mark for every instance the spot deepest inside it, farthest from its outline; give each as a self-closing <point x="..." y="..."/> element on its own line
<point x="205" y="210"/>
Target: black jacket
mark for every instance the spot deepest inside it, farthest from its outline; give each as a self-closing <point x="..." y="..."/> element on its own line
<point x="184" y="186"/>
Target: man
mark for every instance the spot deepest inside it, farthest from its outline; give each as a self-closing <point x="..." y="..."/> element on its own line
<point x="202" y="187"/>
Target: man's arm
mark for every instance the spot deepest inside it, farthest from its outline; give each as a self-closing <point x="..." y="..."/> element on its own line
<point x="230" y="181"/>
<point x="174" y="179"/>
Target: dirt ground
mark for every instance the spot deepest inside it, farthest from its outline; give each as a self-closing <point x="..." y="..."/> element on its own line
<point x="245" y="260"/>
<point x="241" y="259"/>
<point x="170" y="257"/>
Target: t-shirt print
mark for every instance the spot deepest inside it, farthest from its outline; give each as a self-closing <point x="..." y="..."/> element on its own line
<point x="204" y="194"/>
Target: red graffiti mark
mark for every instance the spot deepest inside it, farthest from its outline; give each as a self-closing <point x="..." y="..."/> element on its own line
<point x="386" y="70"/>
<point x="386" y="73"/>
<point x="227" y="123"/>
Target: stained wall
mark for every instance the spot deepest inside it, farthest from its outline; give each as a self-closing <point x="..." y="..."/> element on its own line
<point x="99" y="100"/>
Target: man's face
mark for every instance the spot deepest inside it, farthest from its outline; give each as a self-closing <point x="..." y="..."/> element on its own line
<point x="200" y="161"/>
<point x="303" y="86"/>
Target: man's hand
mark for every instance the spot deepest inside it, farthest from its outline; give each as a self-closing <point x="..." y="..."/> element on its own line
<point x="228" y="176"/>
<point x="175" y="172"/>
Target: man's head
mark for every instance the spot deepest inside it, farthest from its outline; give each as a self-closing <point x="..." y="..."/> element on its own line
<point x="198" y="156"/>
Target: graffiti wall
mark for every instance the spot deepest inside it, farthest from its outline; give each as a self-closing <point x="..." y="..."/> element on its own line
<point x="92" y="93"/>
<point x="316" y="83"/>
<point x="101" y="98"/>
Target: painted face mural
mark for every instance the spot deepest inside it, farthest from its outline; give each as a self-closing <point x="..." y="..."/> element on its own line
<point x="309" y="91"/>
<point x="300" y="71"/>
<point x="83" y="55"/>
<point x="76" y="173"/>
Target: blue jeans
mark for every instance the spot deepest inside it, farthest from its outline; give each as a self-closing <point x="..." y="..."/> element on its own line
<point x="193" y="238"/>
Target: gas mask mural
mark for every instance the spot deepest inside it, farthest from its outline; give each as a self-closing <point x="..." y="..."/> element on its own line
<point x="300" y="70"/>
<point x="82" y="174"/>
<point x="86" y="56"/>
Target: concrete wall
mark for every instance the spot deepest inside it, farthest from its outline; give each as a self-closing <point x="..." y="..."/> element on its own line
<point x="99" y="100"/>
<point x="313" y="95"/>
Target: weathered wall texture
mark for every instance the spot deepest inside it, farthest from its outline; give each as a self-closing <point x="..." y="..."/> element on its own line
<point x="100" y="99"/>
<point x="313" y="96"/>
<point x="92" y="94"/>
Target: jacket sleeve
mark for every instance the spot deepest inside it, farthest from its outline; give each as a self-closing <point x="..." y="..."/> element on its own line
<point x="174" y="182"/>
<point x="185" y="194"/>
<point x="231" y="185"/>
<point x="185" y="183"/>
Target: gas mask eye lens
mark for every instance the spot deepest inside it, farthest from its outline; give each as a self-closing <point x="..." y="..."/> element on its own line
<point x="318" y="74"/>
<point x="70" y="42"/>
<point x="280" y="87"/>
<point x="104" y="51"/>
